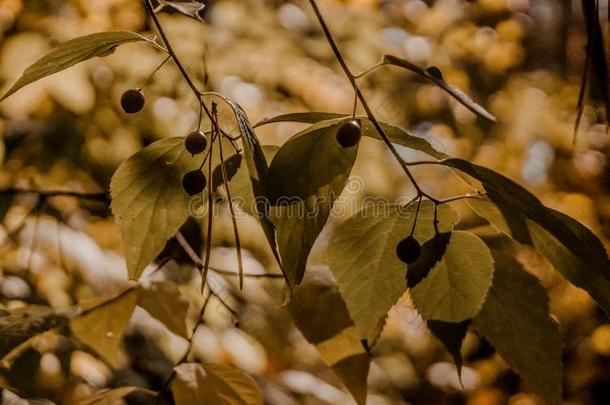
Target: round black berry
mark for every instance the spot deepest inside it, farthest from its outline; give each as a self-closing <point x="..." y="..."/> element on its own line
<point x="194" y="182"/>
<point x="196" y="142"/>
<point x="408" y="250"/>
<point x="349" y="134"/>
<point x="132" y="101"/>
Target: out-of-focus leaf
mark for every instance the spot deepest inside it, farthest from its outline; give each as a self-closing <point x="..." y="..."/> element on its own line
<point x="595" y="76"/>
<point x="434" y="75"/>
<point x="216" y="384"/>
<point x="148" y="201"/>
<point x="17" y="326"/>
<point x="165" y="302"/>
<point x="306" y="176"/>
<point x="6" y="201"/>
<point x="396" y="134"/>
<point x="362" y="256"/>
<point x="102" y="327"/>
<point x="322" y="317"/>
<point x="111" y="396"/>
<point x="193" y="9"/>
<point x="515" y="319"/>
<point x="72" y="52"/>
<point x="455" y="288"/>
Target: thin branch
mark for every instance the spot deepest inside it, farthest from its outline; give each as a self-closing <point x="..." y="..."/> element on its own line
<point x="369" y="70"/>
<point x="170" y="50"/>
<point x="152" y="74"/>
<point x="367" y="109"/>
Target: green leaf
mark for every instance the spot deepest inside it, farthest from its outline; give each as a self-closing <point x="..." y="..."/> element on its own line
<point x="72" y="52"/>
<point x="456" y="287"/>
<point x="309" y="163"/>
<point x="216" y="384"/>
<point x="165" y="302"/>
<point x="111" y="396"/>
<point x="436" y="78"/>
<point x="306" y="176"/>
<point x="148" y="201"/>
<point x="322" y="317"/>
<point x="19" y="325"/>
<point x="515" y="319"/>
<point x="396" y="134"/>
<point x="361" y="254"/>
<point x="102" y="327"/>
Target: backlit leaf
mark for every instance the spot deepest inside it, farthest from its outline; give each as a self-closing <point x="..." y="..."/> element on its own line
<point x="571" y="248"/>
<point x="515" y="319"/>
<point x="362" y="256"/>
<point x="72" y="52"/>
<point x="456" y="287"/>
<point x="148" y="201"/>
<point x="306" y="176"/>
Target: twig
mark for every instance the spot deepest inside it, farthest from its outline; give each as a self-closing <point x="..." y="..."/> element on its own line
<point x="170" y="50"/>
<point x="367" y="109"/>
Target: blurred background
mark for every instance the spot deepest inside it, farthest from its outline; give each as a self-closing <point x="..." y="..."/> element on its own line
<point x="521" y="59"/>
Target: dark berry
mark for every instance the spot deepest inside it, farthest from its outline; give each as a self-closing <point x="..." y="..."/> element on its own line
<point x="408" y="250"/>
<point x="132" y="101"/>
<point x="349" y="134"/>
<point x="196" y="142"/>
<point x="194" y="182"/>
